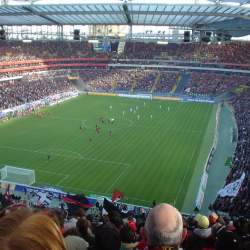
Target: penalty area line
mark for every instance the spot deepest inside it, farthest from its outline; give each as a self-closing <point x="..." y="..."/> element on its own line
<point x="81" y="157"/>
<point x="116" y="180"/>
<point x="62" y="180"/>
<point x="49" y="172"/>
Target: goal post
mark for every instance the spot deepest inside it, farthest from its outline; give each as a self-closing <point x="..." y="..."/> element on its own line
<point x="17" y="175"/>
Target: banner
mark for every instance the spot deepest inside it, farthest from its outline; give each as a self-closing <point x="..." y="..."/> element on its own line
<point x="137" y="96"/>
<point x="202" y="190"/>
<point x="233" y="188"/>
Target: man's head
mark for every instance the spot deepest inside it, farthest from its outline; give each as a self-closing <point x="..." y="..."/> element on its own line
<point x="164" y="226"/>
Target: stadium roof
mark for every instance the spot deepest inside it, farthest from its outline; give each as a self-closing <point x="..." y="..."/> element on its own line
<point x="124" y="12"/>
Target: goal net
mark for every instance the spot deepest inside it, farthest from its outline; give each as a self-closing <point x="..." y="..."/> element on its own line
<point x="17" y="175"/>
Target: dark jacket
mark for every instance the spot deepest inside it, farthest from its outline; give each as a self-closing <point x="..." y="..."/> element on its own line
<point x="107" y="237"/>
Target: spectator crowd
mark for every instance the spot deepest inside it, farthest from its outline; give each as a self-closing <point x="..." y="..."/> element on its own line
<point x="211" y="83"/>
<point x="128" y="80"/>
<point x="20" y="51"/>
<point x="110" y="228"/>
<point x="239" y="205"/>
<point x="226" y="53"/>
<point x="23" y="227"/>
<point x="233" y="52"/>
<point x="32" y="88"/>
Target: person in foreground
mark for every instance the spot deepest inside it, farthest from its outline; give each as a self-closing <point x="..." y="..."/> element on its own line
<point x="23" y="230"/>
<point x="164" y="228"/>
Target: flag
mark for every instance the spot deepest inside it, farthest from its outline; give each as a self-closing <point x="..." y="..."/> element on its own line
<point x="110" y="207"/>
<point x="76" y="201"/>
<point x="116" y="196"/>
<point x="232" y="189"/>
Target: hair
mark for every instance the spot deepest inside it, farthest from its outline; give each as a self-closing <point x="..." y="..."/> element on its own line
<point x="83" y="229"/>
<point x="57" y="217"/>
<point x="79" y="213"/>
<point x="163" y="237"/>
<point x="116" y="219"/>
<point x="36" y="231"/>
<point x="82" y="226"/>
<point x="12" y="220"/>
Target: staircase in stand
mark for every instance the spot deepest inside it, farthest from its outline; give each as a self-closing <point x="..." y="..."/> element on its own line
<point x="134" y="83"/>
<point x="121" y="47"/>
<point x="182" y="83"/>
<point x="157" y="80"/>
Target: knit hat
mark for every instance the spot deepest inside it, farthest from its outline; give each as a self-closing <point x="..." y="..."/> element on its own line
<point x="203" y="222"/>
<point x="197" y="217"/>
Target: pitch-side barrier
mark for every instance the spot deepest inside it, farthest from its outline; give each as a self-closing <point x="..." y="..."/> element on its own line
<point x="53" y="196"/>
<point x="182" y="98"/>
<point x="137" y="96"/>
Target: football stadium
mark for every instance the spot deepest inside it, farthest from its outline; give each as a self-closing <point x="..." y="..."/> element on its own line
<point x="125" y="124"/>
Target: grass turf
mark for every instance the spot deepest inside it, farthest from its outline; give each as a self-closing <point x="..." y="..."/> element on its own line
<point x="146" y="157"/>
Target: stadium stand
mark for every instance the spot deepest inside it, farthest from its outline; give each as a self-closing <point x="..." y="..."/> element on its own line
<point x="167" y="80"/>
<point x="19" y="51"/>
<point x="98" y="80"/>
<point x="127" y="231"/>
<point x="105" y="80"/>
<point x="145" y="80"/>
<point x="237" y="52"/>
<point x="239" y="205"/>
<point x="126" y="80"/>
<point x="113" y="227"/>
<point x="234" y="52"/>
<point x="214" y="83"/>
<point x="27" y="89"/>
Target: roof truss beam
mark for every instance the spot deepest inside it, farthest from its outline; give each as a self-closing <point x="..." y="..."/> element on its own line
<point x="32" y="12"/>
<point x="127" y="14"/>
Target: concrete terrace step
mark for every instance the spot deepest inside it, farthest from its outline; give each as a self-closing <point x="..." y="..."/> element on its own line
<point x="184" y="79"/>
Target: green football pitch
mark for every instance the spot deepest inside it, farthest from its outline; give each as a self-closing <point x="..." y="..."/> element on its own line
<point x="156" y="152"/>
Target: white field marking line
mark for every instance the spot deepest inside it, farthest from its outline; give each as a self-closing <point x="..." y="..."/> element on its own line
<point x="49" y="172"/>
<point x="63" y="179"/>
<point x="186" y="173"/>
<point x="59" y="150"/>
<point x="69" y="157"/>
<point x="64" y="119"/>
<point x="117" y="179"/>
